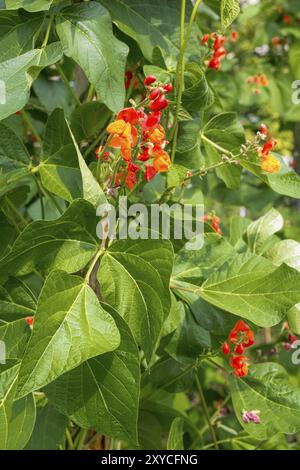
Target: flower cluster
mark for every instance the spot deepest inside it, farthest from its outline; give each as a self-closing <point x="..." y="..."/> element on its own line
<point x="251" y="416"/>
<point x="269" y="163"/>
<point x="240" y="337"/>
<point x="139" y="138"/>
<point x="214" y="221"/>
<point x="215" y="42"/>
<point x="259" y="81"/>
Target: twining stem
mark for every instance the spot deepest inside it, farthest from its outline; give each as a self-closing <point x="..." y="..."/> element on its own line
<point x="91" y="93"/>
<point x="30" y="125"/>
<point x="46" y="38"/>
<point x="15" y="211"/>
<point x="67" y="83"/>
<point x="69" y="439"/>
<point x="93" y="264"/>
<point x="218" y="147"/>
<point x="205" y="409"/>
<point x="40" y="197"/>
<point x="179" y="82"/>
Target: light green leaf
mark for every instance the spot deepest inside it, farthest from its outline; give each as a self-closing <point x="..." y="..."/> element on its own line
<point x="67" y="243"/>
<point x="294" y="59"/>
<point x="70" y="327"/>
<point x="49" y="429"/>
<point x="285" y="251"/>
<point x="267" y="390"/>
<point x="175" y="439"/>
<point x="85" y="31"/>
<point x="103" y="392"/>
<point x="252" y="288"/>
<point x="188" y="147"/>
<point x="293" y="317"/>
<point x="134" y="278"/>
<point x="18" y="32"/>
<point x="230" y="10"/>
<point x="63" y="170"/>
<point x="259" y="232"/>
<point x="17" y="75"/>
<point x="29" y="5"/>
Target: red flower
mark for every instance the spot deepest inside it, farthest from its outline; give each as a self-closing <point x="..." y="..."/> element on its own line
<point x="130" y="179"/>
<point x="205" y="38"/>
<point x="154" y="93"/>
<point x="214" y="64"/>
<point x="149" y="173"/>
<point x="29" y="321"/>
<point x="149" y="80"/>
<point x="263" y="129"/>
<point x="128" y="115"/>
<point x="133" y="167"/>
<point x="269" y="146"/>
<point x="234" y="36"/>
<point x="239" y="365"/>
<point x="225" y="348"/>
<point x="153" y="119"/>
<point x="159" y="103"/>
<point x="168" y="87"/>
<point x="239" y="349"/>
<point x="242" y="333"/>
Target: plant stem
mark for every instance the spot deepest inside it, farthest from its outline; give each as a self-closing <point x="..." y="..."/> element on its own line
<point x="184" y="39"/>
<point x="46" y="38"/>
<point x="15" y="211"/>
<point x="69" y="439"/>
<point x="205" y="409"/>
<point x="179" y="82"/>
<point x="30" y="125"/>
<point x="67" y="83"/>
<point x="91" y="93"/>
<point x="218" y="147"/>
<point x="93" y="264"/>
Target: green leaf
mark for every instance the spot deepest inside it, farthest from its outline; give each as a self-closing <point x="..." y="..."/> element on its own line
<point x="230" y="10"/>
<point x="197" y="94"/>
<point x="221" y="134"/>
<point x="54" y="94"/>
<point x="259" y="232"/>
<point x="18" y="31"/>
<point x="70" y="327"/>
<point x="253" y="288"/>
<point x="67" y="243"/>
<point x="195" y="266"/>
<point x="188" y="147"/>
<point x="293" y="317"/>
<point x="294" y="59"/>
<point x="17" y="75"/>
<point x="14" y="159"/>
<point x="134" y="278"/>
<point x="49" y="429"/>
<point x="16" y="417"/>
<point x="153" y="24"/>
<point x="175" y="439"/>
<point x="16" y="301"/>
<point x="103" y="392"/>
<point x="88" y="119"/>
<point x="15" y="336"/>
<point x="63" y="170"/>
<point x="267" y="389"/>
<point x="286" y="182"/>
<point x="85" y="31"/>
<point x="189" y="339"/>
<point x="29" y="5"/>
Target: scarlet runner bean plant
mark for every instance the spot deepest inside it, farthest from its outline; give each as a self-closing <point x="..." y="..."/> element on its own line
<point x="144" y="343"/>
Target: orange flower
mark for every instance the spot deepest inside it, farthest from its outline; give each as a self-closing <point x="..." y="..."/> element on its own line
<point x="270" y="164"/>
<point x="156" y="135"/>
<point x="162" y="162"/>
<point x="124" y="137"/>
<point x="239" y="365"/>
